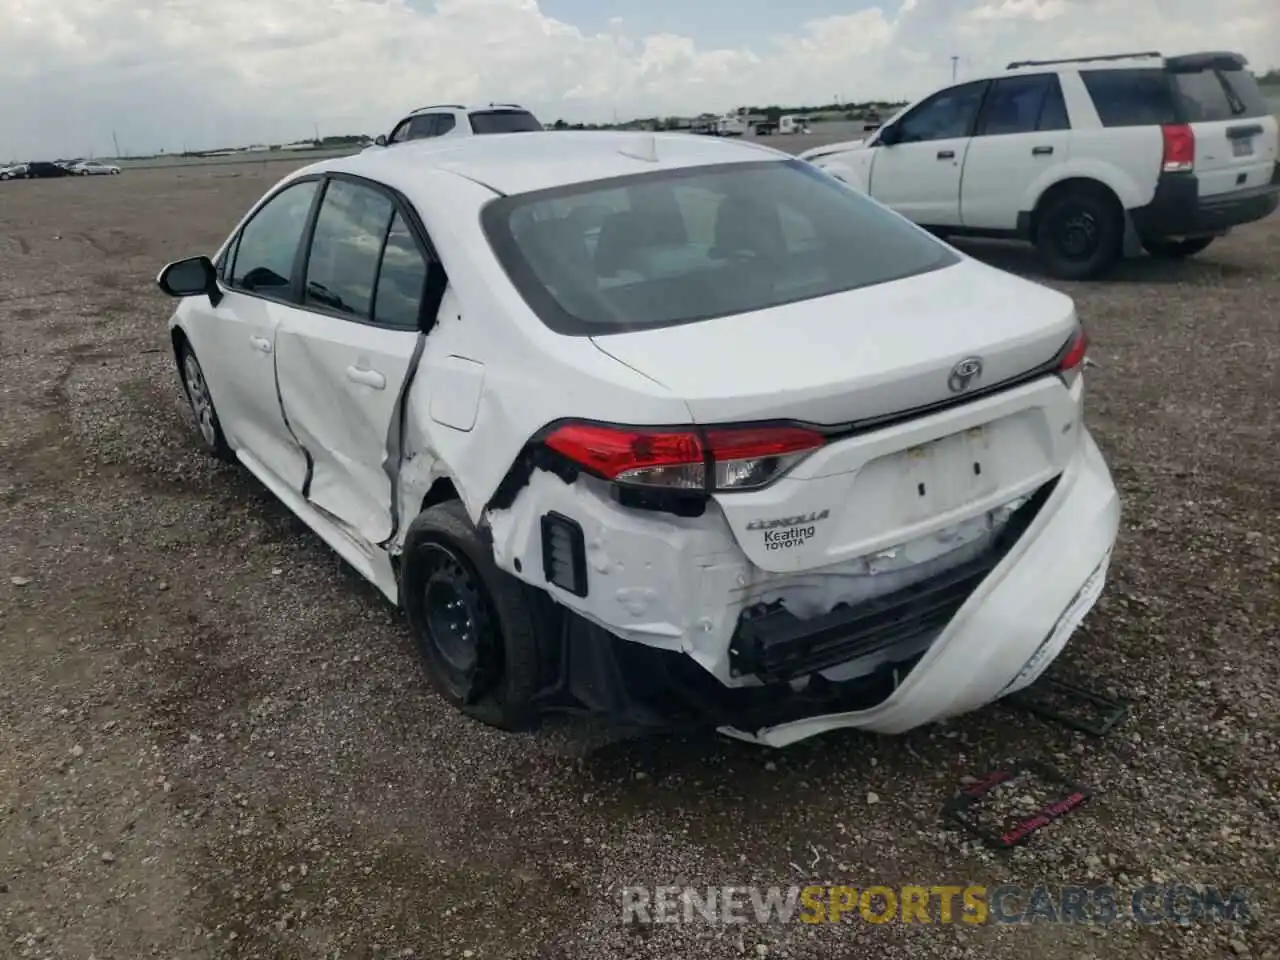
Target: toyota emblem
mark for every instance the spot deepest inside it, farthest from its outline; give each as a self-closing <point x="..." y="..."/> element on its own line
<point x="964" y="374"/>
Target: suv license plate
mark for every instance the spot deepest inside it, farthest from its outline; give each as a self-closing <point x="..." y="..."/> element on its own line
<point x="1242" y="147"/>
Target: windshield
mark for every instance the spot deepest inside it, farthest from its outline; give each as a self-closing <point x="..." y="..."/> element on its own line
<point x="504" y="121"/>
<point x="691" y="244"/>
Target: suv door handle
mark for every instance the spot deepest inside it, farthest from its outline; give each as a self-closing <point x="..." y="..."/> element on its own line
<point x="370" y="378"/>
<point x="261" y="343"/>
<point x="1041" y="151"/>
<point x="946" y="154"/>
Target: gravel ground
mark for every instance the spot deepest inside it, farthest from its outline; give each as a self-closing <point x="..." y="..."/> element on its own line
<point x="215" y="740"/>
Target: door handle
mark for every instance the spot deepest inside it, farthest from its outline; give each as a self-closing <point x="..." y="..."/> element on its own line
<point x="370" y="378"/>
<point x="1041" y="151"/>
<point x="261" y="343"/>
<point x="946" y="154"/>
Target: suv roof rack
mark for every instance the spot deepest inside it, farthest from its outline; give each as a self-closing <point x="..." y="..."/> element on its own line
<point x="513" y="106"/>
<point x="439" y="106"/>
<point x="1144" y="55"/>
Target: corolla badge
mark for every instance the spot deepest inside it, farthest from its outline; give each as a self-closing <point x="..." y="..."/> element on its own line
<point x="964" y="374"/>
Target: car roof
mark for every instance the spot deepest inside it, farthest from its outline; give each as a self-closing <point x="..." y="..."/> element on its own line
<point x="539" y="160"/>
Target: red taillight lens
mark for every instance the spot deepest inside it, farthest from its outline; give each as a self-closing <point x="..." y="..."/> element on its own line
<point x="1076" y="352"/>
<point x="1179" y="148"/>
<point x="740" y="458"/>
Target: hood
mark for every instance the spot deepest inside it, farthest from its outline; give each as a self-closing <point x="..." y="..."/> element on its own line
<point x="841" y="147"/>
<point x="864" y="353"/>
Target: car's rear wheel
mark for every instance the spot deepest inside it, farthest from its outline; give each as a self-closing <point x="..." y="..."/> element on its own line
<point x="474" y="625"/>
<point x="201" y="400"/>
<point x="1079" y="234"/>
<point x="1165" y="249"/>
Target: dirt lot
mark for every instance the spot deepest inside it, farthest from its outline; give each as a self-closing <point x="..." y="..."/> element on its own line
<point x="215" y="740"/>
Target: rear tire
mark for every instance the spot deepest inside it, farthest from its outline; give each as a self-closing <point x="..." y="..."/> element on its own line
<point x="475" y="625"/>
<point x="1080" y="234"/>
<point x="1163" y="249"/>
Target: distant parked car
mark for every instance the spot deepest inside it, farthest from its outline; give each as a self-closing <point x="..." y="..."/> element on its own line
<point x="456" y="120"/>
<point x="16" y="171"/>
<point x="38" y="169"/>
<point x="871" y="120"/>
<point x="90" y="168"/>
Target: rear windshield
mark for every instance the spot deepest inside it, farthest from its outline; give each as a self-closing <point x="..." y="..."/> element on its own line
<point x="679" y="246"/>
<point x="1210" y="95"/>
<point x="504" y="121"/>
<point x="1131" y="98"/>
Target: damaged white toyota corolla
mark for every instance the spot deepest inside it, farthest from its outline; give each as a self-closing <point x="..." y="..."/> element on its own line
<point x="676" y="429"/>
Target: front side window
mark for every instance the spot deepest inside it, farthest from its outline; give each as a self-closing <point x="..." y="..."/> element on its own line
<point x="680" y="246"/>
<point x="423" y="126"/>
<point x="401" y="133"/>
<point x="944" y="116"/>
<point x="268" y="243"/>
<point x="343" y="265"/>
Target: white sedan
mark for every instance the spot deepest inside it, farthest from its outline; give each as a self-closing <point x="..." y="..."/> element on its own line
<point x="677" y="429"/>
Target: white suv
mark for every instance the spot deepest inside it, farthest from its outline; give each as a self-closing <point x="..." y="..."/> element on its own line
<point x="456" y="120"/>
<point x="1090" y="159"/>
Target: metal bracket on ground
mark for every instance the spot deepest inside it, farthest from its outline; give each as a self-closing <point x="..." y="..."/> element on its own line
<point x="1107" y="710"/>
<point x="959" y="809"/>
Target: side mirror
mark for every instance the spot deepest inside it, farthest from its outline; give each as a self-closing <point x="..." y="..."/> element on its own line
<point x="190" y="278"/>
<point x="890" y="135"/>
<point x="380" y="140"/>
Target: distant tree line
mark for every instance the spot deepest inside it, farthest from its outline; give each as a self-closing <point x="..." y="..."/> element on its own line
<point x="1271" y="78"/>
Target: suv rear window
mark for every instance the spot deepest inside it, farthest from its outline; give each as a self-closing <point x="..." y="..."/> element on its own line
<point x="682" y="245"/>
<point x="1211" y="95"/>
<point x="1131" y="98"/>
<point x="504" y="121"/>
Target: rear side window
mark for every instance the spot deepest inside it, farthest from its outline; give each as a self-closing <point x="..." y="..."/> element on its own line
<point x="346" y="248"/>
<point x="1210" y="95"/>
<point x="504" y="121"/>
<point x="685" y="245"/>
<point x="1131" y="98"/>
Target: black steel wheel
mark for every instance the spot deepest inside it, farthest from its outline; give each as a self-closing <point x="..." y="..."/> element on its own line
<point x="475" y="626"/>
<point x="1079" y="234"/>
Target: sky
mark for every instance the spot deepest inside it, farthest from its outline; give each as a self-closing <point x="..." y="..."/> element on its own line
<point x="199" y="74"/>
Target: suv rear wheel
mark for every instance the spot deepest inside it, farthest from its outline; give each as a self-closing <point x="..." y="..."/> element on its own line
<point x="1165" y="249"/>
<point x="1079" y="234"/>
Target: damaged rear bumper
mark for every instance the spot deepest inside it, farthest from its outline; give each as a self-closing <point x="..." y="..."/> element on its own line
<point x="961" y="639"/>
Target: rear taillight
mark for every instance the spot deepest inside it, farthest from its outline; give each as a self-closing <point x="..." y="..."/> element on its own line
<point x="1076" y="351"/>
<point x="1179" y="148"/>
<point x="717" y="458"/>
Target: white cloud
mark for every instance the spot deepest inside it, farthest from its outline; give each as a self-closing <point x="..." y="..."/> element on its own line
<point x="162" y="73"/>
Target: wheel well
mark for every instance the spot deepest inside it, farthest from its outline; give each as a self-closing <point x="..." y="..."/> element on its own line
<point x="442" y="491"/>
<point x="1073" y="185"/>
<point x="179" y="340"/>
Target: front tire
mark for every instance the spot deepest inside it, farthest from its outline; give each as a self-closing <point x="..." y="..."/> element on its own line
<point x="475" y="626"/>
<point x="1163" y="249"/>
<point x="201" y="400"/>
<point x="1080" y="235"/>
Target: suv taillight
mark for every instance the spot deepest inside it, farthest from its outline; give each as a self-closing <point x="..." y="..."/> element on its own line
<point x="1179" y="148"/>
<point x="1073" y="357"/>
<point x="710" y="459"/>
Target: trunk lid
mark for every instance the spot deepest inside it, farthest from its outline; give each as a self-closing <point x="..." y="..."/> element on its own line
<point x="857" y="355"/>
<point x="910" y="489"/>
<point x="1236" y="134"/>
